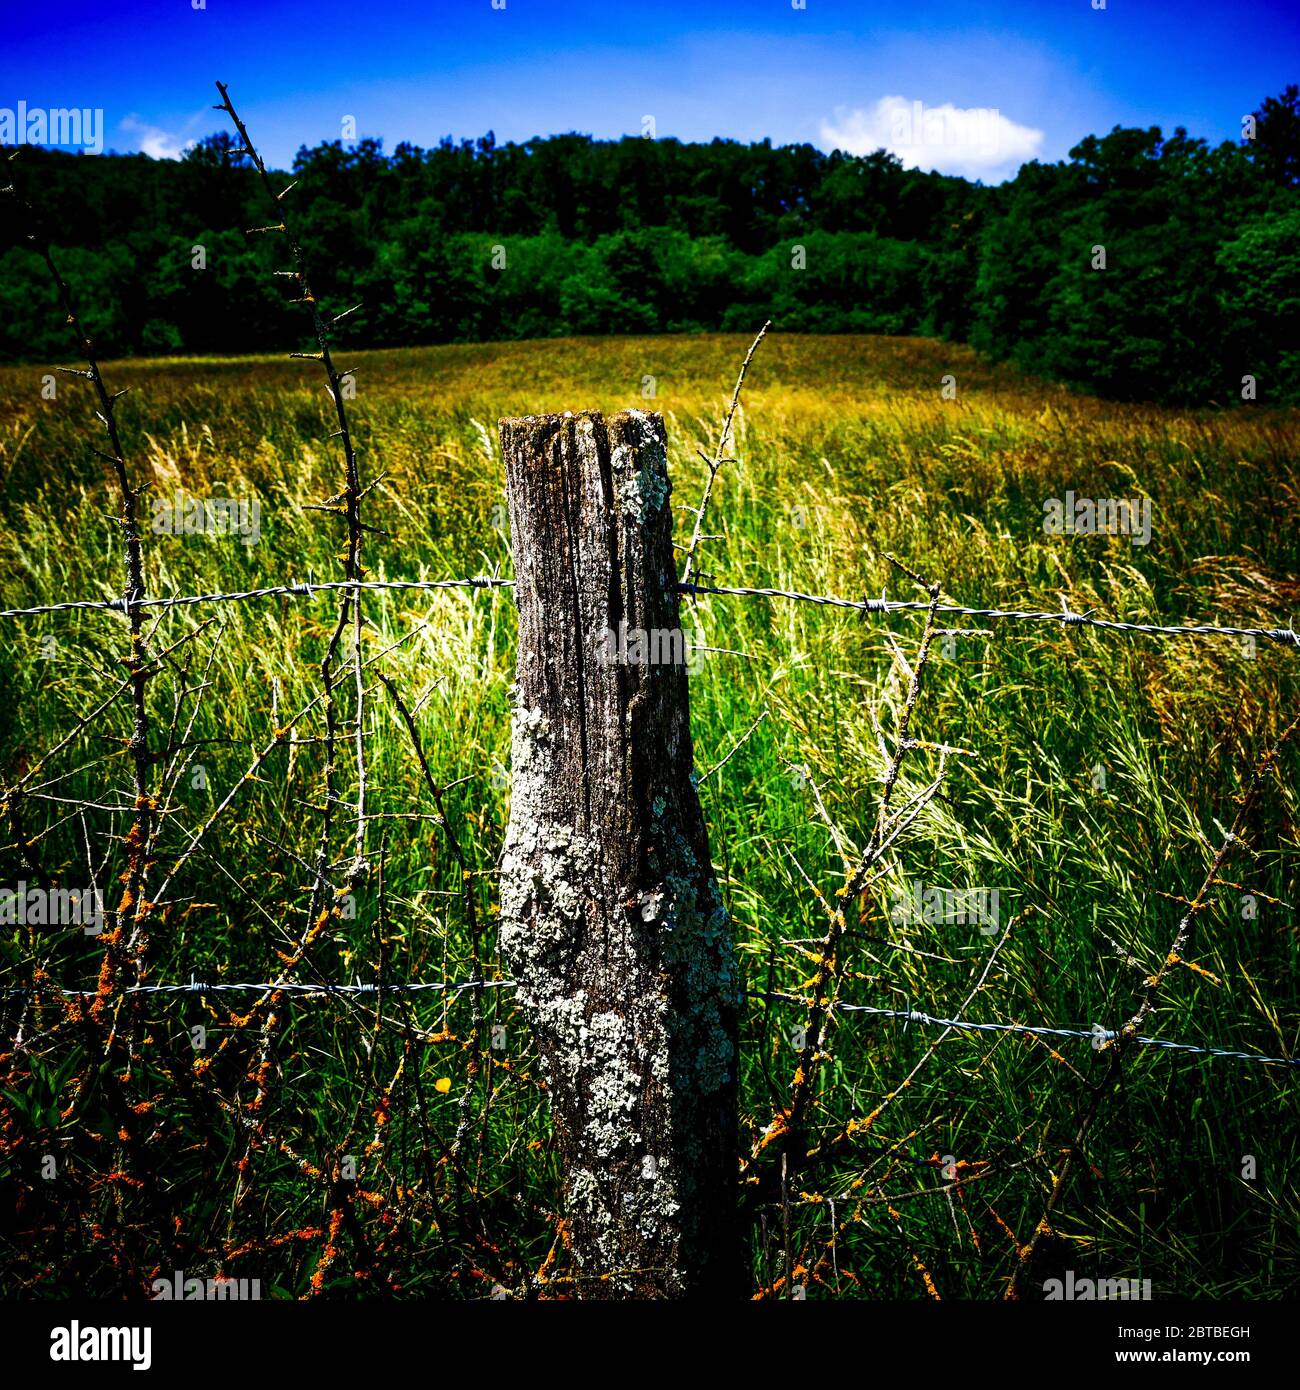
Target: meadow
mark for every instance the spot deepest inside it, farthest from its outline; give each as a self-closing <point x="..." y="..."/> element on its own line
<point x="339" y="1146"/>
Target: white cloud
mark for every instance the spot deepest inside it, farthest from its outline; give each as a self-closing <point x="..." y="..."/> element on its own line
<point x="153" y="140"/>
<point x="977" y="141"/>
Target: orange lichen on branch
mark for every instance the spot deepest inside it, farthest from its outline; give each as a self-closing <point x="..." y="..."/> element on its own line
<point x="561" y="1239"/>
<point x="780" y="1125"/>
<point x="329" y="1252"/>
<point x="926" y="1278"/>
<point x="121" y="1179"/>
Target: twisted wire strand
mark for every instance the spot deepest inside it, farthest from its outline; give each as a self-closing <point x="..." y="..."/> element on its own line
<point x="1041" y="1030"/>
<point x="119" y="605"/>
<point x="918" y="1016"/>
<point x="1066" y="617"/>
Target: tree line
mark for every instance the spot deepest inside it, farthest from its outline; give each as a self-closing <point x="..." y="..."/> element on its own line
<point x="1144" y="266"/>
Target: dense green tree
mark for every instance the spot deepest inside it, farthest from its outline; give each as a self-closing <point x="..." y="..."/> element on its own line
<point x="1259" y="298"/>
<point x="477" y="240"/>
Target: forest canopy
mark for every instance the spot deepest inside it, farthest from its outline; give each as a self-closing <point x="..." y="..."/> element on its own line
<point x="476" y="241"/>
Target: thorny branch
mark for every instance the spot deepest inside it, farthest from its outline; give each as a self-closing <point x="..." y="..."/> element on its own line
<point x="788" y="1124"/>
<point x="719" y="456"/>
<point x="132" y="907"/>
<point x="1126" y="1036"/>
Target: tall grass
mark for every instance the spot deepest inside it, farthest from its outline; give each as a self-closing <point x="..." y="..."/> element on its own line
<point x="1106" y="767"/>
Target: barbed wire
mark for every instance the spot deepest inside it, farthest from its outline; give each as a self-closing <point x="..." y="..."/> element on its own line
<point x="122" y="605"/>
<point x="1065" y="616"/>
<point x="1095" y="1034"/>
<point x="866" y="605"/>
<point x="288" y="987"/>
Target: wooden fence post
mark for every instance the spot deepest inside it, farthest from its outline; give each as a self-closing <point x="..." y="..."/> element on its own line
<point x="611" y="918"/>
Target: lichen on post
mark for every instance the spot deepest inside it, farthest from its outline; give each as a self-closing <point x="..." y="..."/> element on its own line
<point x="611" y="918"/>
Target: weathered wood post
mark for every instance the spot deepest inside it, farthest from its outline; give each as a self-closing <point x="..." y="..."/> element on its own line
<point x="611" y="918"/>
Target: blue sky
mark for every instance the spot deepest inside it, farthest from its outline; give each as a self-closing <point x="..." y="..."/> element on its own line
<point x="837" y="72"/>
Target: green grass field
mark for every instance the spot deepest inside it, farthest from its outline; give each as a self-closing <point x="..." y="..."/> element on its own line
<point x="1102" y="779"/>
